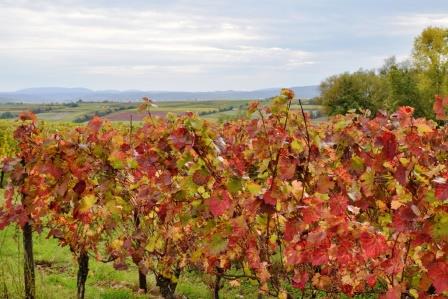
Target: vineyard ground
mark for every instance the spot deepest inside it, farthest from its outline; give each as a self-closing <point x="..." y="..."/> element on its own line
<point x="56" y="274"/>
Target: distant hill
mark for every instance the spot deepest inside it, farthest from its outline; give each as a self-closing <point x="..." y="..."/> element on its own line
<point x="61" y="94"/>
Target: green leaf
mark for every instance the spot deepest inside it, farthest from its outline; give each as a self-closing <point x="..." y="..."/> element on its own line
<point x="116" y="159"/>
<point x="218" y="244"/>
<point x="154" y="243"/>
<point x="440" y="229"/>
<point x="234" y="184"/>
<point x="357" y="163"/>
<point x="132" y="163"/>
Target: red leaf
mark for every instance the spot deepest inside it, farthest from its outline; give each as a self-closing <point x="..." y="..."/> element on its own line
<point x="389" y="143"/>
<point x="392" y="293"/>
<point x="219" y="203"/>
<point x="95" y="123"/>
<point x="200" y="177"/>
<point x="287" y="168"/>
<point x="253" y="106"/>
<point x="318" y="256"/>
<point x="291" y="229"/>
<point x="439" y="108"/>
<point x="439" y="275"/>
<point x="338" y="205"/>
<point x="27" y="116"/>
<point x="405" y="115"/>
<point x="80" y="187"/>
<point x="404" y="219"/>
<point x="371" y="280"/>
<point x="442" y="189"/>
<point x="372" y="245"/>
<point x="401" y="175"/>
<point x="310" y="214"/>
<point x="300" y="279"/>
<point x="269" y="198"/>
<point x="344" y="255"/>
<point x="181" y="137"/>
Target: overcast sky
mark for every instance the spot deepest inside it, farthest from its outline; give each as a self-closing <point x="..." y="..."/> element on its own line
<point x="202" y="44"/>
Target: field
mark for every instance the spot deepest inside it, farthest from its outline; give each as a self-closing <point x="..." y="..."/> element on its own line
<point x="83" y="111"/>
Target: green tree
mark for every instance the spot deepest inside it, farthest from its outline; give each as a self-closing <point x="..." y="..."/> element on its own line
<point x="358" y="90"/>
<point x="430" y="55"/>
<point x="7" y="115"/>
<point x="402" y="87"/>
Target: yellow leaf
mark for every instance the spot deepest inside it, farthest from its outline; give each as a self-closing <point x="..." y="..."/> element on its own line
<point x="273" y="239"/>
<point x="414" y="293"/>
<point x="404" y="161"/>
<point x="87" y="202"/>
<point x="296" y="188"/>
<point x="117" y="140"/>
<point x="278" y="206"/>
<point x="116" y="244"/>
<point x="282" y="295"/>
<point x="296" y="146"/>
<point x="423" y="128"/>
<point x="264" y="165"/>
<point x="395" y="204"/>
<point x="381" y="205"/>
<point x="254" y="188"/>
<point x="347" y="279"/>
<point x="150" y="247"/>
<point x="201" y="189"/>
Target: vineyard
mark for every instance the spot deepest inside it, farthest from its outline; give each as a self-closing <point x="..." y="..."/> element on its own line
<point x="355" y="206"/>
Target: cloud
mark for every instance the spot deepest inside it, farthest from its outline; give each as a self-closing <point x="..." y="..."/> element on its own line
<point x="128" y="42"/>
<point x="414" y="23"/>
<point x="199" y="44"/>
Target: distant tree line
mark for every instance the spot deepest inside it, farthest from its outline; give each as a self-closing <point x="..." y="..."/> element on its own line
<point x="223" y="109"/>
<point x="8" y="115"/>
<point x="414" y="82"/>
<point x="71" y="104"/>
<point x="42" y="109"/>
<point x="36" y="110"/>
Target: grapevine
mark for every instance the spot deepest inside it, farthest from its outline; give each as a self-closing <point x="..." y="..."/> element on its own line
<point x="354" y="205"/>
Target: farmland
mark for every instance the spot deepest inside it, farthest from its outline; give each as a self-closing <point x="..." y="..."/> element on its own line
<point x="117" y="111"/>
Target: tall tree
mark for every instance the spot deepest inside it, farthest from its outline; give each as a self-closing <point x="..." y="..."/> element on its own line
<point x="358" y="90"/>
<point x="402" y="83"/>
<point x="430" y="56"/>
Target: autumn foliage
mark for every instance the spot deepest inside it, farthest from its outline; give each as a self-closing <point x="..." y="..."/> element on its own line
<point x="349" y="206"/>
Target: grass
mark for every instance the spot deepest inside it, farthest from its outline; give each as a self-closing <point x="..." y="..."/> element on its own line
<point x="56" y="275"/>
<point x="56" y="271"/>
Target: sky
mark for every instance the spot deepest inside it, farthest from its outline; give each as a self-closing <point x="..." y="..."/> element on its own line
<point x="202" y="45"/>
